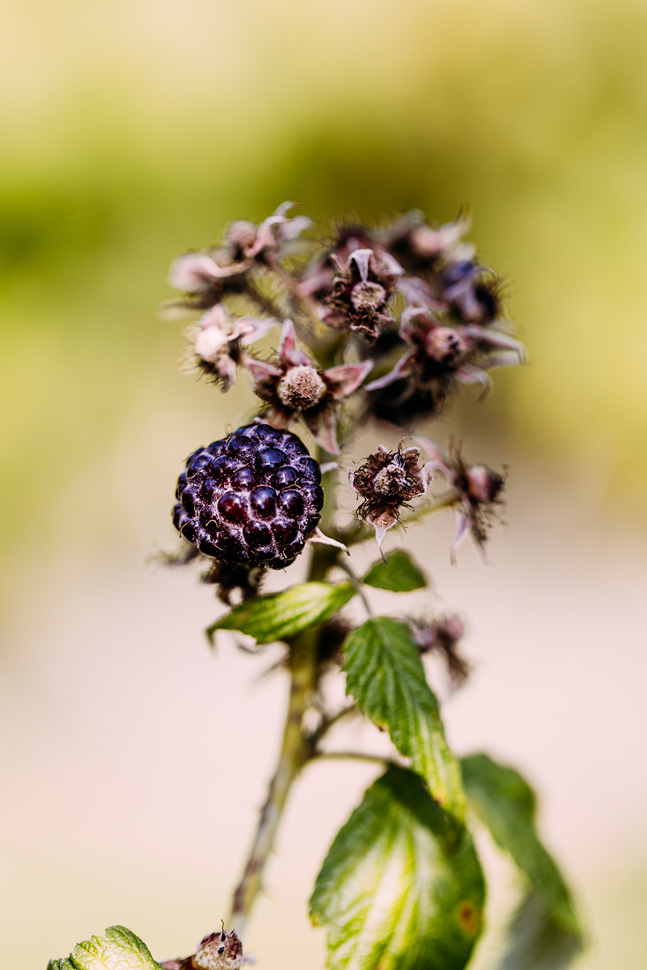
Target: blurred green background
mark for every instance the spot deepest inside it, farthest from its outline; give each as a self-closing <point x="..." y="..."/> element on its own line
<point x="134" y="130"/>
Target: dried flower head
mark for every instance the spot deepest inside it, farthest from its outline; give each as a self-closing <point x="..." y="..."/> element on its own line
<point x="207" y="277"/>
<point x="387" y="482"/>
<point x="317" y="278"/>
<point x="216" y="951"/>
<point x="471" y="291"/>
<point x="219" y="951"/>
<point x="294" y="388"/>
<point x="216" y="342"/>
<point x="440" y="358"/>
<point x="272" y="239"/>
<point x="359" y="294"/>
<point x="420" y="248"/>
<point x="478" y="492"/>
<point x="441" y="637"/>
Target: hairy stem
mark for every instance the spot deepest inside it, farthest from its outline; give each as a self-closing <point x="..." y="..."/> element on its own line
<point x="295" y="751"/>
<point x="264" y="302"/>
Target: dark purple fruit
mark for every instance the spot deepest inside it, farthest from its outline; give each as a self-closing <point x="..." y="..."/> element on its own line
<point x="251" y="498"/>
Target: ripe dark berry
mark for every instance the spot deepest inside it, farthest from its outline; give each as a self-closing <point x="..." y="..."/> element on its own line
<point x="252" y="497"/>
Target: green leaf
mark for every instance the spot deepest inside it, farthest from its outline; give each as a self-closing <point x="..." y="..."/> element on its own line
<point x="281" y="615"/>
<point x="118" y="950"/>
<point x="399" y="574"/>
<point x="386" y="677"/>
<point x="536" y="941"/>
<point x="506" y="804"/>
<point x="391" y="892"/>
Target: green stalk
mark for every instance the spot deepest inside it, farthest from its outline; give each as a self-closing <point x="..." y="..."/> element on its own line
<point x="295" y="751"/>
<point x="296" y="747"/>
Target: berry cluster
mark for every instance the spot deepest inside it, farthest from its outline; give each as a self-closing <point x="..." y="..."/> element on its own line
<point x="252" y="498"/>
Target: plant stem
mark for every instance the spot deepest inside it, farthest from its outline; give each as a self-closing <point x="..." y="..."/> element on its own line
<point x="295" y="751"/>
<point x="374" y="759"/>
<point x="296" y="748"/>
<point x="362" y="532"/>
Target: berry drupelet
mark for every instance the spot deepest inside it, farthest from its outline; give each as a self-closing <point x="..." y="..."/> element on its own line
<point x="252" y="498"/>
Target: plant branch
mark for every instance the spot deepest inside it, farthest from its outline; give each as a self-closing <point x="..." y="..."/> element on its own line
<point x="264" y="302"/>
<point x="353" y="756"/>
<point x="295" y="751"/>
<point x="357" y="584"/>
<point x="362" y="532"/>
<point x="330" y="722"/>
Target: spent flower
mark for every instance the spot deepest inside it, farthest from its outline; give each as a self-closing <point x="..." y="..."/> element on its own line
<point x="216" y="342"/>
<point x="420" y="248"/>
<point x="478" y="492"/>
<point x="208" y="276"/>
<point x="359" y="295"/>
<point x="440" y="358"/>
<point x="386" y="482"/>
<point x="217" y="951"/>
<point x="441" y="637"/>
<point x="294" y="388"/>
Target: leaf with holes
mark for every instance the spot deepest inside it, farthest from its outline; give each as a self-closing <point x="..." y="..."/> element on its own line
<point x="386" y="677"/>
<point x="393" y="893"/>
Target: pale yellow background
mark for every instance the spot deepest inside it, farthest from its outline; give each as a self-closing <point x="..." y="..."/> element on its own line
<point x="133" y="759"/>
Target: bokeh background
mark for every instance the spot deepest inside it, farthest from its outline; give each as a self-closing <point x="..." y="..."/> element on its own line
<point x="133" y="758"/>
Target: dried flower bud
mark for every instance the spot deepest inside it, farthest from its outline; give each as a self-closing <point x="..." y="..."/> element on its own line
<point x="441" y="636"/>
<point x="419" y="247"/>
<point x="318" y="277"/>
<point x="294" y="388"/>
<point x="217" y="340"/>
<point x="268" y="242"/>
<point x="387" y="481"/>
<point x="217" y="951"/>
<point x="207" y="277"/>
<point x="358" y="296"/>
<point x="440" y="358"/>
<point x="472" y="292"/>
<point x="478" y="491"/>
